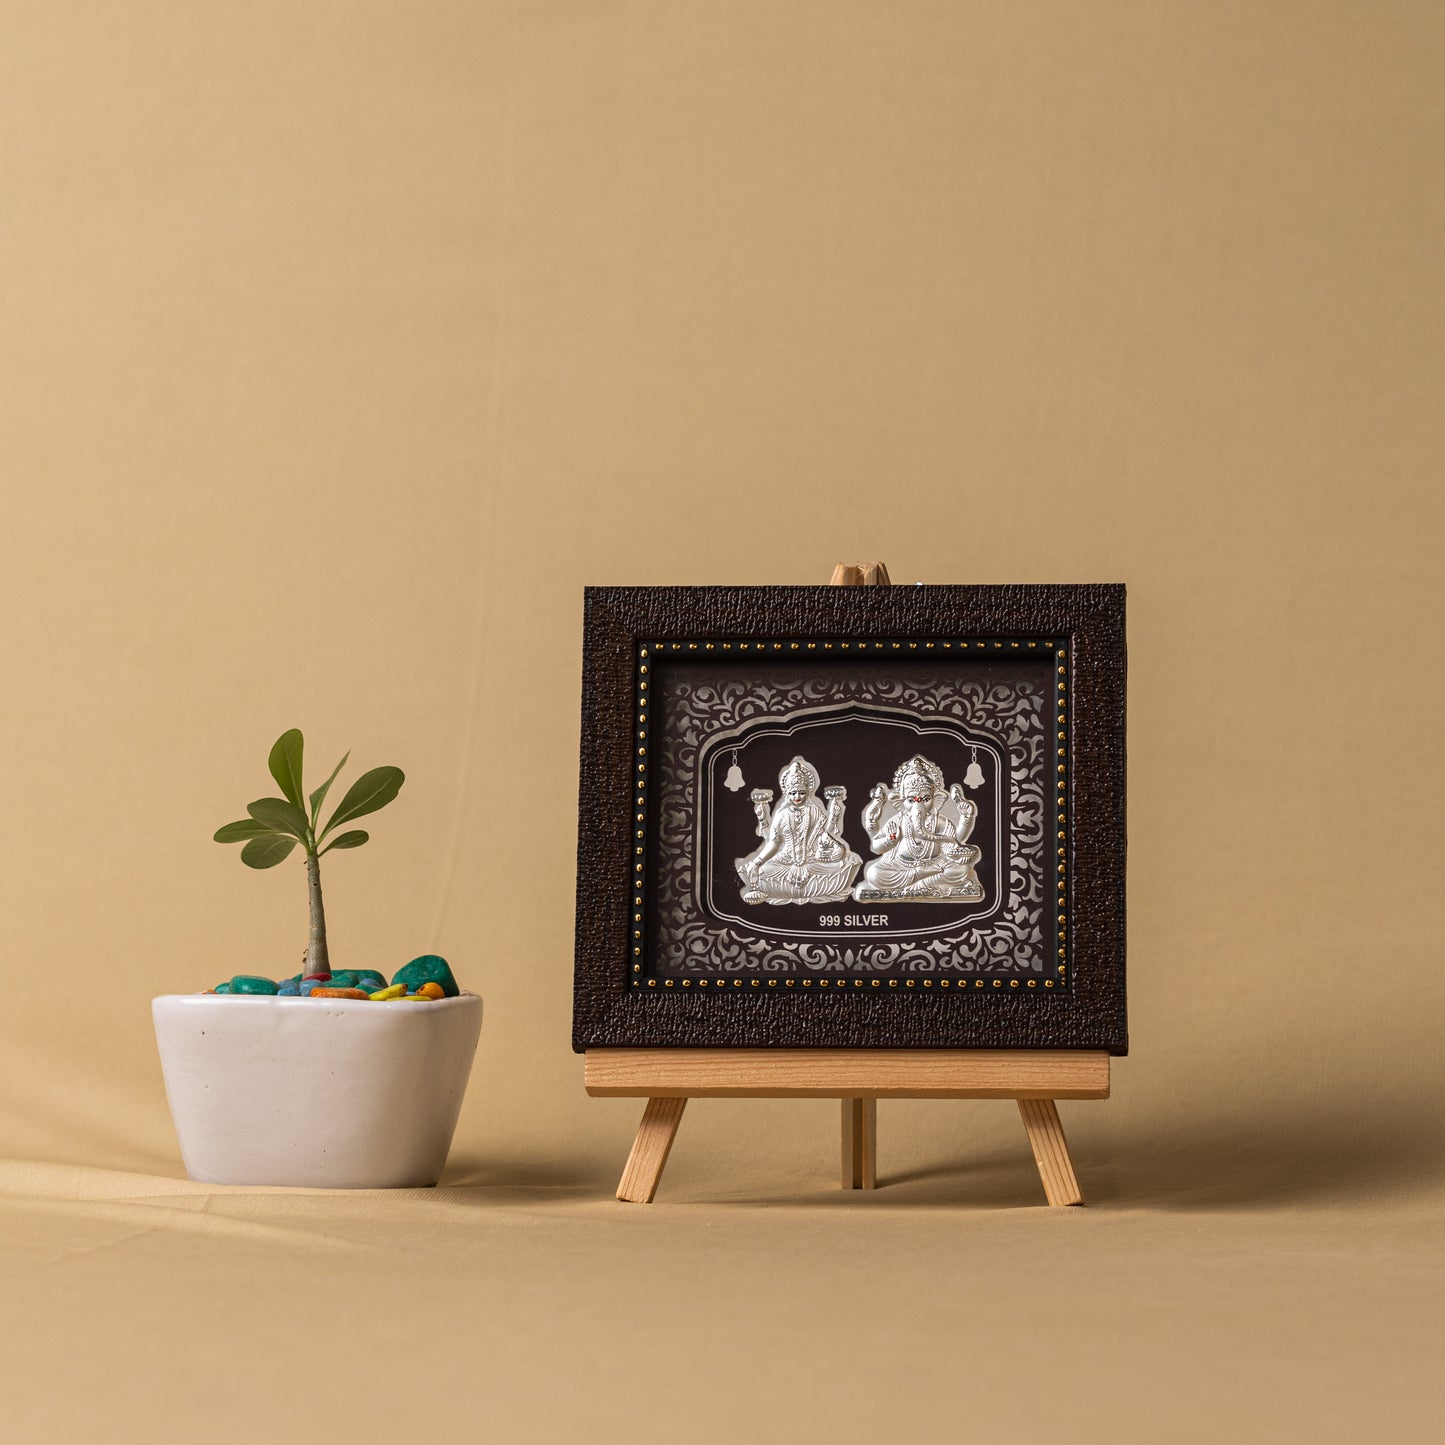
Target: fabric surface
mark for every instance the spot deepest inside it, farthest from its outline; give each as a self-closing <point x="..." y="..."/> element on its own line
<point x="1261" y="1280"/>
<point x="347" y="340"/>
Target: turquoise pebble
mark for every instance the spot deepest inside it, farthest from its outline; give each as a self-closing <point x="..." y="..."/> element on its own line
<point x="223" y="988"/>
<point x="429" y="968"/>
<point x="344" y="978"/>
<point x="252" y="983"/>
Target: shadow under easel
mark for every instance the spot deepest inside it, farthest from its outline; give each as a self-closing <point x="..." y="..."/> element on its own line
<point x="1221" y="1165"/>
<point x="475" y="1181"/>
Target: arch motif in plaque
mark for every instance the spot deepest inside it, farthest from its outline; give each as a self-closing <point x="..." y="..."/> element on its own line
<point x="809" y="846"/>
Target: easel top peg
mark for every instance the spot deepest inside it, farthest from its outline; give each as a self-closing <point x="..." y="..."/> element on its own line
<point x="860" y="574"/>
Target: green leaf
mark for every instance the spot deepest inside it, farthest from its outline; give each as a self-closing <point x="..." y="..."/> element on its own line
<point x="279" y="816"/>
<point x="319" y="796"/>
<point x="347" y="840"/>
<point x="369" y="792"/>
<point x="285" y="764"/>
<point x="240" y="832"/>
<point x="267" y="852"/>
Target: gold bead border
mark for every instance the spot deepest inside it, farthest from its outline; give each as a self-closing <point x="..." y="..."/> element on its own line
<point x="647" y="653"/>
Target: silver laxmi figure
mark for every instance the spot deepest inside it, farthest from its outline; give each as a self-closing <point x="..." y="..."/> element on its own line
<point x="924" y="856"/>
<point x="803" y="858"/>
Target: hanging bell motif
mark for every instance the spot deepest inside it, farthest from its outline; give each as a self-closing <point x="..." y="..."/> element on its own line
<point x="973" y="778"/>
<point x="734" y="779"/>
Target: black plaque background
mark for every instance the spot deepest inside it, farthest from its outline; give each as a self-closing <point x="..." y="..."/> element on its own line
<point x="859" y="720"/>
<point x="1089" y="1013"/>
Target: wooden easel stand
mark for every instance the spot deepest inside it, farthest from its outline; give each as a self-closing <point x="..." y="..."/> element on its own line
<point x="668" y="1078"/>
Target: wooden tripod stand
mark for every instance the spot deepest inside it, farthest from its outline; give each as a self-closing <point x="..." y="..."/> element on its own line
<point x="667" y="1078"/>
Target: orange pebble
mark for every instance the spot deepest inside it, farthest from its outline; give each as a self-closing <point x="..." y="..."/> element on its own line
<point x="338" y="993"/>
<point x="432" y="990"/>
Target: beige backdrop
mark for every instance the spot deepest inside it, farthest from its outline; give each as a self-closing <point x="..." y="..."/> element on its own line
<point x="343" y="343"/>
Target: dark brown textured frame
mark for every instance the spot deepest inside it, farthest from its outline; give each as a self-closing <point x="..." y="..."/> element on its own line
<point x="1088" y="1014"/>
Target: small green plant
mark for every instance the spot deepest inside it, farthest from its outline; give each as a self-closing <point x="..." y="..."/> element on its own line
<point x="277" y="825"/>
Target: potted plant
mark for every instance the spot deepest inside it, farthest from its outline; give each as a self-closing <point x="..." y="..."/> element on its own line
<point x="334" y="1078"/>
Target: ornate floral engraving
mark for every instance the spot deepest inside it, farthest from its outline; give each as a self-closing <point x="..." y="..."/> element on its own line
<point x="701" y="702"/>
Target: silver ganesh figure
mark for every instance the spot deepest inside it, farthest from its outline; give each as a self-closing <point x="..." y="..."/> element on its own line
<point x="803" y="858"/>
<point x="924" y="856"/>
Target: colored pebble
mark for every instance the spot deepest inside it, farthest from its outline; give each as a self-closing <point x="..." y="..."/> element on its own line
<point x="426" y="979"/>
<point x="252" y="983"/>
<point x="429" y="968"/>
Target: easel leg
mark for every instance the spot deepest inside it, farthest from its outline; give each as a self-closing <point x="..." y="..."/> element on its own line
<point x="860" y="1143"/>
<point x="650" y="1150"/>
<point x="1051" y="1151"/>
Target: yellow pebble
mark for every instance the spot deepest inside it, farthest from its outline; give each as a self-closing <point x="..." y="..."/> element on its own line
<point x="418" y="998"/>
<point x="432" y="990"/>
<point x="397" y="990"/>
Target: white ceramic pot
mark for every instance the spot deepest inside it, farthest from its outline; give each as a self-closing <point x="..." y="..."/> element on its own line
<point x="334" y="1094"/>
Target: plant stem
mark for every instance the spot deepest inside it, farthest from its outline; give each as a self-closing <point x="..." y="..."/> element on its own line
<point x="318" y="960"/>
